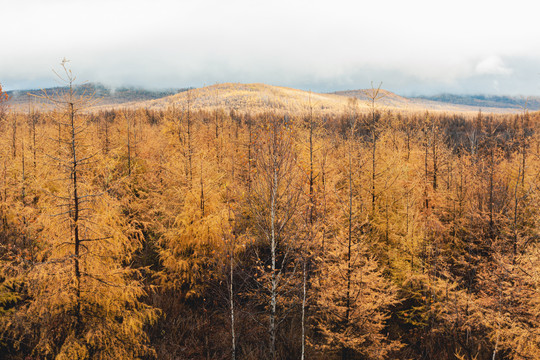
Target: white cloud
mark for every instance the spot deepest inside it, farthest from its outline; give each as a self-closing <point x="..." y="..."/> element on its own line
<point x="493" y="65"/>
<point x="312" y="44"/>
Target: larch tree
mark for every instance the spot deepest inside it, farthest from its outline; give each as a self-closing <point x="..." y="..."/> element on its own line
<point x="374" y="94"/>
<point x="194" y="226"/>
<point x="508" y="295"/>
<point x="353" y="307"/>
<point x="82" y="301"/>
<point x="310" y="246"/>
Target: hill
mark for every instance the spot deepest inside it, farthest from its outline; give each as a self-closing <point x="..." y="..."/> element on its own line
<point x="252" y="97"/>
<point x="262" y="97"/>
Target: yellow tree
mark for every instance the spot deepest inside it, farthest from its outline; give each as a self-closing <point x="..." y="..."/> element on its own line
<point x="82" y="302"/>
<point x="355" y="297"/>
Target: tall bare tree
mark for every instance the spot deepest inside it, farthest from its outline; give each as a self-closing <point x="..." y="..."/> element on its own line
<point x="274" y="205"/>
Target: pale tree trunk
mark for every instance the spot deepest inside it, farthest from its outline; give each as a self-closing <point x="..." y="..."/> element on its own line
<point x="23" y="189"/>
<point x="249" y="156"/>
<point x="373" y="169"/>
<point x="304" y="301"/>
<point x="491" y="179"/>
<point x="202" y="190"/>
<point x="34" y="119"/>
<point x="74" y="214"/>
<point x="128" y="143"/>
<point x="275" y="195"/>
<point x="232" y="246"/>
<point x="345" y="350"/>
<point x="434" y="154"/>
<point x="310" y="232"/>
<point x="14" y="137"/>
<point x="189" y="147"/>
<point x="516" y="204"/>
<point x="231" y="304"/>
<point x="273" y="246"/>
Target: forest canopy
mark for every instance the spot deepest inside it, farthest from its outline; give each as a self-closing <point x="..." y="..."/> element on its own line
<point x="182" y="234"/>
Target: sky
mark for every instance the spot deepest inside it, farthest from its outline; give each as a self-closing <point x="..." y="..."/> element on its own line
<point x="414" y="47"/>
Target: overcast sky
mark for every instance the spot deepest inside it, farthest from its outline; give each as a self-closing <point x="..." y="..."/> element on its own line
<point x="413" y="47"/>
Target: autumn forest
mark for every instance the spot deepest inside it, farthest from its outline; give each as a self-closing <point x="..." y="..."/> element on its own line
<point x="189" y="233"/>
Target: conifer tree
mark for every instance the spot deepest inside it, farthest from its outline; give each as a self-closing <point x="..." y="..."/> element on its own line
<point x="81" y="300"/>
<point x="354" y="305"/>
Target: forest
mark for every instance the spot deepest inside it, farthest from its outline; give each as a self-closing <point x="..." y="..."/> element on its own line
<point x="225" y="234"/>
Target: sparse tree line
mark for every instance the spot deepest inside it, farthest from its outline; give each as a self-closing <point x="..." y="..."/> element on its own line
<point x="181" y="234"/>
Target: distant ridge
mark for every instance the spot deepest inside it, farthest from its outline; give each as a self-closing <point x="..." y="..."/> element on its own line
<point x="446" y="102"/>
<point x="492" y="101"/>
<point x="105" y="95"/>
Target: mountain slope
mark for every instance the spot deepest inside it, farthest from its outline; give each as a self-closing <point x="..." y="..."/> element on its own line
<point x="252" y="97"/>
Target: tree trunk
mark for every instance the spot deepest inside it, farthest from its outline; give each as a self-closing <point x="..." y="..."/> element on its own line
<point x="231" y="302"/>
<point x="74" y="214"/>
<point x="129" y="144"/>
<point x="273" y="248"/>
<point x="304" y="298"/>
<point x="344" y="353"/>
<point x="189" y="149"/>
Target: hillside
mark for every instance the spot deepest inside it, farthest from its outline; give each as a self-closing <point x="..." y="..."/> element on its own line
<point x="387" y="98"/>
<point x="252" y="97"/>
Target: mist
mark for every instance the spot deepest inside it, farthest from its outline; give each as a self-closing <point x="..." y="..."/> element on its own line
<point x="420" y="47"/>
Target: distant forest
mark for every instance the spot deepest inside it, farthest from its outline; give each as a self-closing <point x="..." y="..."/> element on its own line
<point x="181" y="234"/>
<point x="116" y="95"/>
